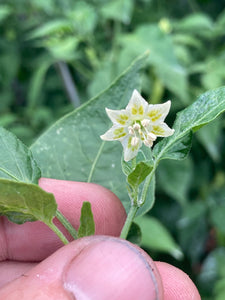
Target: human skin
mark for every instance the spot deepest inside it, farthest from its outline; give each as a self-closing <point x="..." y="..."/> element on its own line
<point x="35" y="265"/>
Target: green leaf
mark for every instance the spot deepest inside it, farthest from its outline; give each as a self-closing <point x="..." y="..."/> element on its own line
<point x="37" y="80"/>
<point x="174" y="177"/>
<point x="156" y="237"/>
<point x="118" y="10"/>
<point x="7" y="119"/>
<point x="213" y="268"/>
<point x="216" y="212"/>
<point x="220" y="289"/>
<point x="87" y="223"/>
<point x="162" y="58"/>
<point x="193" y="229"/>
<point x="180" y="149"/>
<point x="62" y="48"/>
<point x="22" y="202"/>
<point x="186" y="39"/>
<point x="138" y="175"/>
<point x="204" y="110"/>
<point x="198" y="23"/>
<point x="72" y="149"/>
<point x="103" y="76"/>
<point x="127" y="167"/>
<point x="141" y="171"/>
<point x="134" y="234"/>
<point x="17" y="162"/>
<point x="209" y="137"/>
<point x="144" y="155"/>
<point x="147" y="195"/>
<point x="83" y="17"/>
<point x="213" y="72"/>
<point x="5" y="11"/>
<point x="50" y="28"/>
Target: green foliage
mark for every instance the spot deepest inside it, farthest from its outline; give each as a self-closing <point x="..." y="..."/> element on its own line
<point x="211" y="145"/>
<point x="174" y="177"/>
<point x="16" y="162"/>
<point x="22" y="202"/>
<point x="205" y="109"/>
<point x="87" y="223"/>
<point x="95" y="41"/>
<point x="4" y="12"/>
<point x="135" y="235"/>
<point x="21" y="199"/>
<point x="138" y="175"/>
<point x="156" y="237"/>
<point x="162" y="53"/>
<point x="213" y="274"/>
<point x="72" y="147"/>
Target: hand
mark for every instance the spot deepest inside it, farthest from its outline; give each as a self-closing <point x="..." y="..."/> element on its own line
<point x="97" y="267"/>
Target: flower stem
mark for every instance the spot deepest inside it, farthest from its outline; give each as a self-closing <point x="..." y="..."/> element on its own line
<point x="66" y="224"/>
<point x="129" y="221"/>
<point x="58" y="233"/>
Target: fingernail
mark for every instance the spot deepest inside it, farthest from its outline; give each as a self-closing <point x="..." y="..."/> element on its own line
<point x="111" y="269"/>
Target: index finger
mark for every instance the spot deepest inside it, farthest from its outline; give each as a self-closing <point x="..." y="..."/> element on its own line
<point x="34" y="241"/>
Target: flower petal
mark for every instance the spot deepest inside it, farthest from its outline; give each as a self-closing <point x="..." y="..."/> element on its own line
<point x="162" y="130"/>
<point x="129" y="150"/>
<point x="120" y="117"/>
<point x="158" y="112"/>
<point x="137" y="106"/>
<point x="114" y="133"/>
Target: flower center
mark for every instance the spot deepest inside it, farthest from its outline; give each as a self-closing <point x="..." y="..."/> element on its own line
<point x="142" y="131"/>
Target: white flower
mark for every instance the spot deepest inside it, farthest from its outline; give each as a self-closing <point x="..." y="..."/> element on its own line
<point x="140" y="123"/>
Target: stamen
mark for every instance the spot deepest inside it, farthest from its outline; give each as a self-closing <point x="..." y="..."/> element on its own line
<point x="145" y="122"/>
<point x="136" y="126"/>
<point x="148" y="143"/>
<point x="131" y="130"/>
<point x="134" y="141"/>
<point x="151" y="136"/>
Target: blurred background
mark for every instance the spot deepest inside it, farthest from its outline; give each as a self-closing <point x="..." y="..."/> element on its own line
<point x="57" y="54"/>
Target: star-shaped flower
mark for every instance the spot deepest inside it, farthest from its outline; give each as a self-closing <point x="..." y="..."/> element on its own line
<point x="139" y="123"/>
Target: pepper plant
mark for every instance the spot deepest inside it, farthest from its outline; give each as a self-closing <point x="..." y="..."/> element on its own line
<point x="72" y="150"/>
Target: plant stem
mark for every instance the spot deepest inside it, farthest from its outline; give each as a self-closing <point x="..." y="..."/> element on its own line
<point x="66" y="224"/>
<point x="95" y="162"/>
<point x="69" y="84"/>
<point x="129" y="221"/>
<point x="146" y="186"/>
<point x="58" y="233"/>
<point x="157" y="91"/>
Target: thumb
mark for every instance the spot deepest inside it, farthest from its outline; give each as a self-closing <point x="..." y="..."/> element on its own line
<point x="97" y="267"/>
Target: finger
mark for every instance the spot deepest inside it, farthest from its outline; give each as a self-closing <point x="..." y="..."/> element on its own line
<point x="177" y="285"/>
<point x="10" y="270"/>
<point x="94" y="268"/>
<point x="108" y="211"/>
<point x="35" y="241"/>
